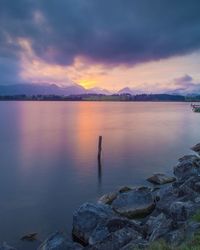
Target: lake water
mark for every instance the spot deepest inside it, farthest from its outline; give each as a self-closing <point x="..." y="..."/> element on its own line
<point x="48" y="163"/>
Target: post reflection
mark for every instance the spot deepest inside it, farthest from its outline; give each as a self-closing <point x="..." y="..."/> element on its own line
<point x="99" y="172"/>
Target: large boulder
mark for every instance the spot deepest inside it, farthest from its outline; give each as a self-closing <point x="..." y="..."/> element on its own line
<point x="58" y="241"/>
<point x="116" y="240"/>
<point x="186" y="192"/>
<point x="117" y="223"/>
<point x="136" y="203"/>
<point x="165" y="197"/>
<point x="188" y="165"/>
<point x="164" y="191"/>
<point x="103" y="230"/>
<point x="161" y="179"/>
<point x="190" y="188"/>
<point x="87" y="218"/>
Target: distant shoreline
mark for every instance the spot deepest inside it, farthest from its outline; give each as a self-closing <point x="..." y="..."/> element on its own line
<point x="103" y="98"/>
<point x="14" y="100"/>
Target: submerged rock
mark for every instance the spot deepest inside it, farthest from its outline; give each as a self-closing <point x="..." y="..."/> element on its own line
<point x="87" y="218"/>
<point x="29" y="237"/>
<point x="59" y="241"/>
<point x="136" y="203"/>
<point x="161" y="179"/>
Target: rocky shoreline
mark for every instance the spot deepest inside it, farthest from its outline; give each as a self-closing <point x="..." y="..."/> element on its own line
<point x="132" y="218"/>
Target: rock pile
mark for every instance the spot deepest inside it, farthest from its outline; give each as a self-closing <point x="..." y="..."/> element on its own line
<point x="134" y="217"/>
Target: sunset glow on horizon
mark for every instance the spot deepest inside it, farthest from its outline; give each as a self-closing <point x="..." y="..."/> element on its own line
<point x="133" y="46"/>
<point x="151" y="76"/>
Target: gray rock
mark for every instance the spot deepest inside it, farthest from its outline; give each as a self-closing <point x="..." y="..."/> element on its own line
<point x="58" y="241"/>
<point x="117" y="223"/>
<point x="108" y="198"/>
<point x="116" y="240"/>
<point x="158" y="226"/>
<point x="197" y="200"/>
<point x="186" y="192"/>
<point x="100" y="233"/>
<point x="161" y="179"/>
<point x="164" y="197"/>
<point x="197" y="186"/>
<point x="87" y="218"/>
<point x="196" y="148"/>
<point x="135" y="203"/>
<point x="188" y="165"/>
<point x="5" y="246"/>
<point x="163" y="192"/>
<point x="103" y="230"/>
<point x="181" y="211"/>
<point x="185" y="232"/>
<point x="188" y="189"/>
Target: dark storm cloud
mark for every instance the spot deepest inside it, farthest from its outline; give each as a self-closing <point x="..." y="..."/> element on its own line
<point x="106" y="31"/>
<point x="118" y="31"/>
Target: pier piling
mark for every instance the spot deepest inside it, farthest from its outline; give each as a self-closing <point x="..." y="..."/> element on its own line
<point x="99" y="147"/>
<point x="99" y="159"/>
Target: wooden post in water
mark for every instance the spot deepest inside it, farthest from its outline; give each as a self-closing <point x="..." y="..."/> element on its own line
<point x="99" y="159"/>
<point x="99" y="148"/>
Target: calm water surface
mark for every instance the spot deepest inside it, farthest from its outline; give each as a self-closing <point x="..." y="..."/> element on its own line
<point x="48" y="163"/>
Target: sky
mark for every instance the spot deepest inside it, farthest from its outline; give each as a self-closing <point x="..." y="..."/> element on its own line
<point x="146" y="45"/>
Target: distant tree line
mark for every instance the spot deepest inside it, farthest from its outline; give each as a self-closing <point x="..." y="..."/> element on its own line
<point x="100" y="97"/>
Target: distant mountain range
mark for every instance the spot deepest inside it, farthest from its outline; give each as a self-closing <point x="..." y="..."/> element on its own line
<point x="75" y="89"/>
<point x="130" y="91"/>
<point x="184" y="91"/>
<point x="49" y="89"/>
<point x="40" y="89"/>
<point x="53" y="89"/>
